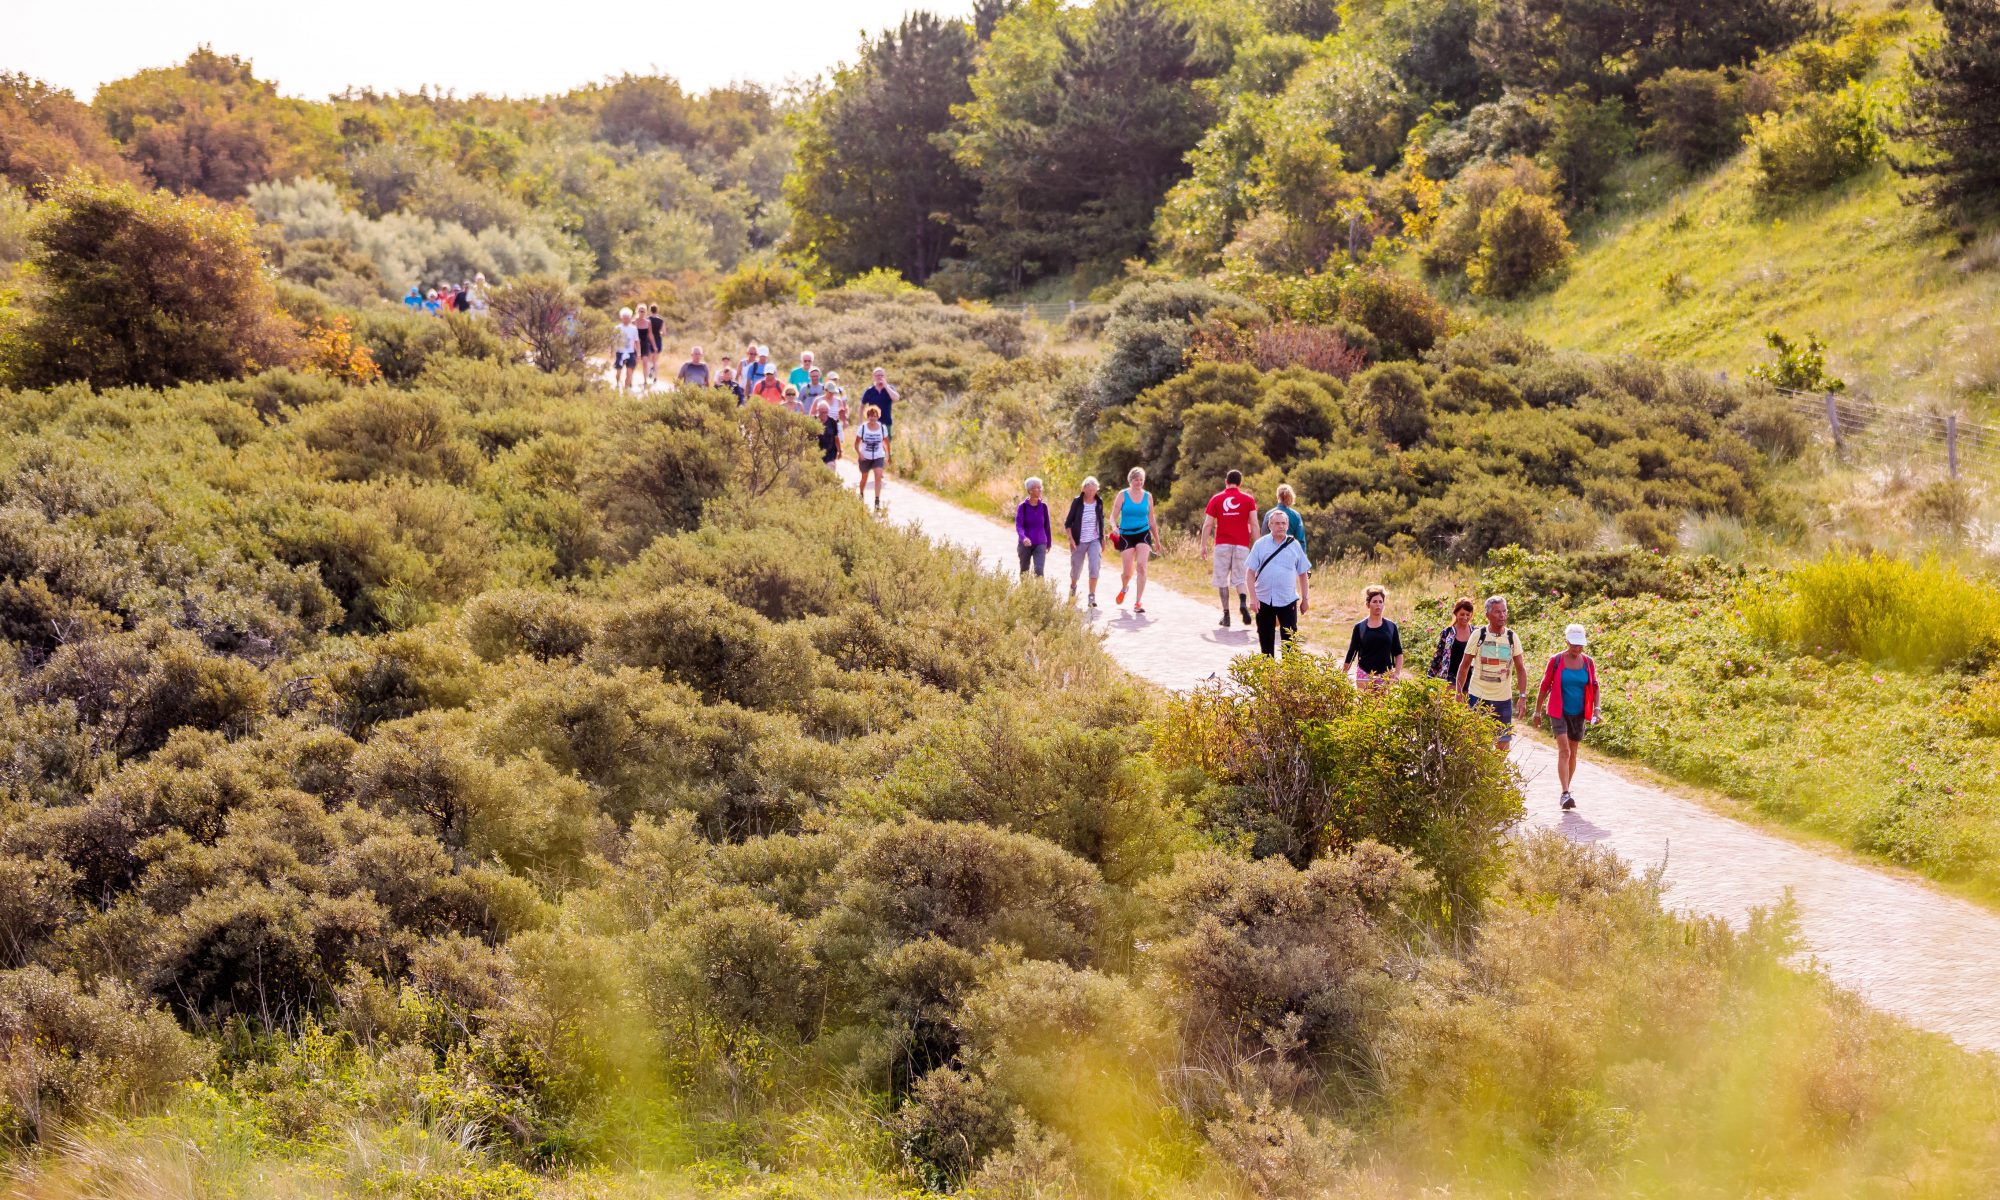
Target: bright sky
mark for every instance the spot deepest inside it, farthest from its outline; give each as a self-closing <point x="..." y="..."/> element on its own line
<point x="512" y="47"/>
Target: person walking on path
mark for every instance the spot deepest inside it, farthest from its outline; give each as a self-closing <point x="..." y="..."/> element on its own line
<point x="625" y="351"/>
<point x="883" y="397"/>
<point x="1451" y="643"/>
<point x="1493" y="675"/>
<point x="649" y="350"/>
<point x="1031" y="528"/>
<point x="658" y="324"/>
<point x="1277" y="572"/>
<point x="1085" y="527"/>
<point x="693" y="372"/>
<point x="1228" y="526"/>
<point x="871" y="447"/>
<point x="811" y="390"/>
<point x="1569" y="699"/>
<point x="727" y="379"/>
<point x="803" y="372"/>
<point x="829" y="433"/>
<point x="1138" y="532"/>
<point x="1293" y="521"/>
<point x="1376" y="644"/>
<point x="749" y="372"/>
<point x="769" y="388"/>
<point x="836" y="397"/>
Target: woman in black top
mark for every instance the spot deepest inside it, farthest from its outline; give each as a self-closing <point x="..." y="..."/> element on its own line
<point x="829" y="433"/>
<point x="1376" y="643"/>
<point x="1451" y="642"/>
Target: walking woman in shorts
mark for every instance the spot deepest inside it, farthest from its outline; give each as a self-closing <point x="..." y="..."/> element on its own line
<point x="1569" y="699"/>
<point x="1138" y="532"/>
<point x="871" y="446"/>
<point x="1085" y="526"/>
<point x="1376" y="644"/>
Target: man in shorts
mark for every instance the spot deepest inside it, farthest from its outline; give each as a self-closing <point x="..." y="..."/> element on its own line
<point x="1228" y="527"/>
<point x="625" y="350"/>
<point x="1493" y="676"/>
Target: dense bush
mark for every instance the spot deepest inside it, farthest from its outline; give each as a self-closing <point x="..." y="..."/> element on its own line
<point x="1522" y="241"/>
<point x="1920" y="615"/>
<point x="1818" y="143"/>
<point x="142" y="288"/>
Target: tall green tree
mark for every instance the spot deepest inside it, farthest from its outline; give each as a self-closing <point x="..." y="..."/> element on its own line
<point x="45" y="132"/>
<point x="1081" y="121"/>
<point x="874" y="186"/>
<point x="1954" y="110"/>
<point x="1610" y="47"/>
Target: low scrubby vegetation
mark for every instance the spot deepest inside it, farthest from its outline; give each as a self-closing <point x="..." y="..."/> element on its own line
<point x="486" y="786"/>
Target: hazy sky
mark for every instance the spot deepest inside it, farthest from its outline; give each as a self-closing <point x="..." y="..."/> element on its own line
<point x="495" y="46"/>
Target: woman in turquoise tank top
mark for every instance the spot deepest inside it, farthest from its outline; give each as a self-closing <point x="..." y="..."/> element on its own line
<point x="1138" y="532"/>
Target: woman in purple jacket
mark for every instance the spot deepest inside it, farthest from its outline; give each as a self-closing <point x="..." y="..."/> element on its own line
<point x="1031" y="528"/>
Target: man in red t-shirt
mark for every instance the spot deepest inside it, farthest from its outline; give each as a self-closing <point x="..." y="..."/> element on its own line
<point x="1229" y="526"/>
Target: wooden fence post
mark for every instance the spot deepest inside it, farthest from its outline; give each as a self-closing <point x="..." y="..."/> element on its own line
<point x="1951" y="442"/>
<point x="1833" y="420"/>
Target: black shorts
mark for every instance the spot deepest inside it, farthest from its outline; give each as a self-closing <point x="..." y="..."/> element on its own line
<point x="624" y="358"/>
<point x="1569" y="727"/>
<point x="873" y="464"/>
<point x="1128" y="540"/>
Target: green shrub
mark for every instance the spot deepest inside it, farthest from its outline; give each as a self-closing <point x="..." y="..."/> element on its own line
<point x="1266" y="965"/>
<point x="1587" y="140"/>
<point x="547" y="625"/>
<point x="1800" y="366"/>
<point x="1397" y="311"/>
<point x="757" y="284"/>
<point x="180" y="280"/>
<point x="1522" y="241"/>
<point x="75" y="1051"/>
<point x="1818" y="143"/>
<point x="1700" y="117"/>
<point x="1391" y="402"/>
<point x="1921" y="614"/>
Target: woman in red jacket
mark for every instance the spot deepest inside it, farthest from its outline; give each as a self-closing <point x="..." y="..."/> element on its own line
<point x="1569" y="698"/>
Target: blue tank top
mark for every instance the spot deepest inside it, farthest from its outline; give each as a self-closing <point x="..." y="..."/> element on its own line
<point x="1135" y="516"/>
<point x="1574" y="681"/>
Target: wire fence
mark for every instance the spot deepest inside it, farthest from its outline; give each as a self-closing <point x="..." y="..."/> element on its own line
<point x="1854" y="426"/>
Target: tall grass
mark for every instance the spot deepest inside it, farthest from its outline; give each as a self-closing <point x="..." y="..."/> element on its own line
<point x="1921" y="614"/>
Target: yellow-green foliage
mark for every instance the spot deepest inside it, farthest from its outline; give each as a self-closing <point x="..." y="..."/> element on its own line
<point x="1918" y="614"/>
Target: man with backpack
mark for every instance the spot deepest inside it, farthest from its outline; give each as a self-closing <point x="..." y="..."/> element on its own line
<point x="1493" y="676"/>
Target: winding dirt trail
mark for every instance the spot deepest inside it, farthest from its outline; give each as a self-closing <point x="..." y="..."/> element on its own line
<point x="1930" y="959"/>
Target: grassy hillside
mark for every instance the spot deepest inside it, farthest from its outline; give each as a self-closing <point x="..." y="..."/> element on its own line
<point x="1695" y="271"/>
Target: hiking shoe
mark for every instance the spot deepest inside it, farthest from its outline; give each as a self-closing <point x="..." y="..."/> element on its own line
<point x="1242" y="606"/>
<point x="1569" y="801"/>
<point x="1121" y="597"/>
<point x="1093" y="600"/>
<point x="1224" y="622"/>
<point x="1138" y="608"/>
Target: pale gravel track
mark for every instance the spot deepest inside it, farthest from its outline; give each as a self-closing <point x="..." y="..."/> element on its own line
<point x="1930" y="959"/>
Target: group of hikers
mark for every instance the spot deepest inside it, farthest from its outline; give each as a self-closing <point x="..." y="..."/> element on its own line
<point x="466" y="297"/>
<point x="1266" y="567"/>
<point x="1263" y="564"/>
<point x="635" y="366"/>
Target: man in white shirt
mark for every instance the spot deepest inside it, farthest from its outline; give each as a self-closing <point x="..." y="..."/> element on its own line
<point x="625" y="351"/>
<point x="1278" y="573"/>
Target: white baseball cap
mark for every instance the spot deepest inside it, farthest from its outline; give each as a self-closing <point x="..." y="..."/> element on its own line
<point x="1574" y="636"/>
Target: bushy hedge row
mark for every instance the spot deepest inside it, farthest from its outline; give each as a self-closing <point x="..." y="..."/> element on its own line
<point x="1490" y="440"/>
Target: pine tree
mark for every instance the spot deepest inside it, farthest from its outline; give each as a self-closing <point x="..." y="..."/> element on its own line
<point x="1082" y="123"/>
<point x="873" y="187"/>
<point x="1954" y="110"/>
